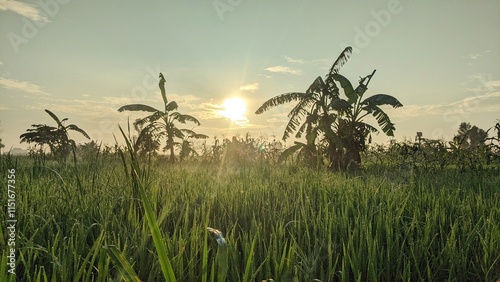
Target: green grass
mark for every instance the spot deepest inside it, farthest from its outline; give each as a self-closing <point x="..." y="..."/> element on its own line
<point x="287" y="223"/>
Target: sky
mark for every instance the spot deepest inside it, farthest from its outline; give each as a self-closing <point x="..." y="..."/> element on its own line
<point x="83" y="60"/>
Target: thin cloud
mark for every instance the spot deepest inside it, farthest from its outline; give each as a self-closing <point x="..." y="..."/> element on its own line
<point x="1" y="63"/>
<point x="24" y="86"/>
<point x="482" y="83"/>
<point x="477" y="104"/>
<point x="283" y="69"/>
<point x="293" y="60"/>
<point x="252" y="87"/>
<point x="494" y="83"/>
<point x="474" y="56"/>
<point x="468" y="100"/>
<point x="23" y="9"/>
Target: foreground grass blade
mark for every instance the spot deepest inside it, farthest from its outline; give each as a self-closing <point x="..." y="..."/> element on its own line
<point x="166" y="267"/>
<point x="122" y="264"/>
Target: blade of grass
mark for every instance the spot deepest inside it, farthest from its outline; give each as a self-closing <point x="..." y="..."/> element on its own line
<point x="248" y="266"/>
<point x="166" y="267"/>
<point x="122" y="264"/>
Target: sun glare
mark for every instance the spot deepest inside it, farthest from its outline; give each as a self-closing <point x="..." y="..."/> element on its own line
<point x="234" y="109"/>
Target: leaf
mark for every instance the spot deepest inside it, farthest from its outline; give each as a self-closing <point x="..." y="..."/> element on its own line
<point x="280" y="100"/>
<point x="382" y="118"/>
<point x="293" y="123"/>
<point x="199" y="136"/>
<point x="311" y="119"/>
<point x="297" y="113"/>
<point x="121" y="263"/>
<point x="149" y="130"/>
<point x="76" y="128"/>
<point x="191" y="134"/>
<point x="161" y="84"/>
<point x="290" y="151"/>
<point x="151" y="118"/>
<point x="177" y="132"/>
<point x="183" y="118"/>
<point x="360" y="90"/>
<point x="368" y="127"/>
<point x="382" y="99"/>
<point x="138" y="107"/>
<point x="347" y="86"/>
<point x="341" y="60"/>
<point x="166" y="267"/>
<point x="340" y="105"/>
<point x="188" y="132"/>
<point x="317" y="86"/>
<point x="250" y="259"/>
<point x="53" y="116"/>
<point x="171" y="106"/>
<point x="290" y="128"/>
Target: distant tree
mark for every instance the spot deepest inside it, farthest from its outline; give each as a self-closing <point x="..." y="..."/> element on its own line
<point x="89" y="149"/>
<point x="162" y="123"/>
<point x="57" y="138"/>
<point x="470" y="136"/>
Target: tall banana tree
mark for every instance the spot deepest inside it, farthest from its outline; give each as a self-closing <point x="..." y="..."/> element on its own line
<point x="162" y="123"/>
<point x="312" y="115"/>
<point x="332" y="125"/>
<point x="57" y="138"/>
<point x="351" y="129"/>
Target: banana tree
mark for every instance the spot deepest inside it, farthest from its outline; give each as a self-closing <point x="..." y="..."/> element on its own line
<point x="312" y="115"/>
<point x="350" y="128"/>
<point x="162" y="123"/>
<point x="57" y="138"/>
<point x="332" y="125"/>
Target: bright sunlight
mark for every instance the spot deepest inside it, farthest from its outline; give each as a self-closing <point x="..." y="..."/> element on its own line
<point x="234" y="109"/>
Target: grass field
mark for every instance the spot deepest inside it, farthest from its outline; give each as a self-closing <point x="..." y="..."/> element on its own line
<point x="285" y="223"/>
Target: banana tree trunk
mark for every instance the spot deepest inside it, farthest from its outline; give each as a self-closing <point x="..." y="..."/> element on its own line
<point x="352" y="160"/>
<point x="170" y="143"/>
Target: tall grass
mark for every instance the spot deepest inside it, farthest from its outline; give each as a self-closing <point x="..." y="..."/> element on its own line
<point x="284" y="223"/>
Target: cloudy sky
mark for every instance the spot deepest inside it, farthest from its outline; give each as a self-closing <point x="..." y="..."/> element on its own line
<point x="84" y="59"/>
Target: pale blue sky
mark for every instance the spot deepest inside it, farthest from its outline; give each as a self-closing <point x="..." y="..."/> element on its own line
<point x="85" y="59"/>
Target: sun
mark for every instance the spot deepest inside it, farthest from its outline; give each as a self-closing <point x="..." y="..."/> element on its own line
<point x="234" y="109"/>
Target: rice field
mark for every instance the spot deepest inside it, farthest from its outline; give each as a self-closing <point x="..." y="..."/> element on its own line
<point x="90" y="221"/>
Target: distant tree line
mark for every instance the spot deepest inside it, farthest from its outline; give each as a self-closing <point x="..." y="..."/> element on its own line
<point x="330" y="129"/>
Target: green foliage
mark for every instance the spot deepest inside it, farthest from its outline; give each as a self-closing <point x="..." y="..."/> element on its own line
<point x="469" y="136"/>
<point x="159" y="243"/>
<point x="239" y="151"/>
<point x="434" y="155"/>
<point x="57" y="138"/>
<point x="161" y="124"/>
<point x="286" y="222"/>
<point x="333" y="126"/>
<point x="126" y="270"/>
